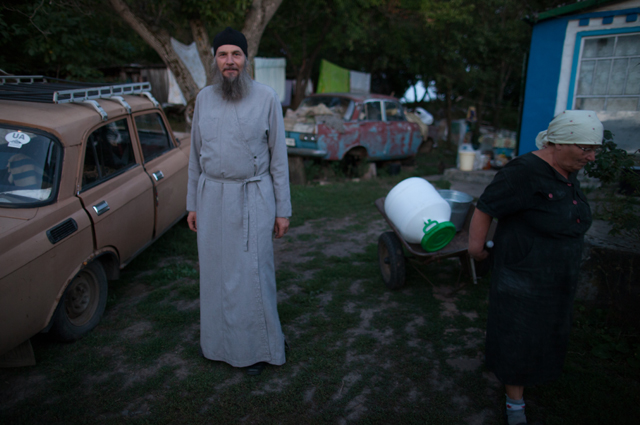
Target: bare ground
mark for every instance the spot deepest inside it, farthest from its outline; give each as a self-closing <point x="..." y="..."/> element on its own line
<point x="339" y="238"/>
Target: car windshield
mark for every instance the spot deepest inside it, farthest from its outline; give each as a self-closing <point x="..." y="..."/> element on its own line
<point x="28" y="167"/>
<point x="337" y="105"/>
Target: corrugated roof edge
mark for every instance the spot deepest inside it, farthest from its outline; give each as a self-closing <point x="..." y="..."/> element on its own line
<point x="568" y="9"/>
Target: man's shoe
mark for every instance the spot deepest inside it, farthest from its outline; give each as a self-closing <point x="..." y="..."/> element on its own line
<point x="256" y="369"/>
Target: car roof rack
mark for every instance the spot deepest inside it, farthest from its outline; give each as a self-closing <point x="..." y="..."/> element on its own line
<point x="37" y="88"/>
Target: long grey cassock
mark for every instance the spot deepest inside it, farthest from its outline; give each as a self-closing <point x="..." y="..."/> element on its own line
<point x="238" y="184"/>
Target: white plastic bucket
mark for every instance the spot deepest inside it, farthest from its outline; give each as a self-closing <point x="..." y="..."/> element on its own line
<point x="411" y="204"/>
<point x="466" y="160"/>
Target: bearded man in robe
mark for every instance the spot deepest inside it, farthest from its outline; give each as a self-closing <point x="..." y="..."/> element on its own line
<point x="238" y="199"/>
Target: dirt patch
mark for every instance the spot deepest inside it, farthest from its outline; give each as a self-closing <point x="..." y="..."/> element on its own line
<point x="465" y="363"/>
<point x="136" y="330"/>
<point x="20" y="389"/>
<point x="336" y="237"/>
<point x="328" y="234"/>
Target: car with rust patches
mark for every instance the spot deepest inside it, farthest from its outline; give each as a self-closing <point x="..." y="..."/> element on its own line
<point x="89" y="177"/>
<point x="338" y="126"/>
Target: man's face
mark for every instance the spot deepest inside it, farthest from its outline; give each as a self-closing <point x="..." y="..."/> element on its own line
<point x="230" y="60"/>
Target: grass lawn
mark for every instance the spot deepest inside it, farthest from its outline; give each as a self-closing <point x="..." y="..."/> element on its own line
<point x="359" y="352"/>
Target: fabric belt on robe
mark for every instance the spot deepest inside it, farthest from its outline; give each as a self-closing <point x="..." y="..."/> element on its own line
<point x="245" y="206"/>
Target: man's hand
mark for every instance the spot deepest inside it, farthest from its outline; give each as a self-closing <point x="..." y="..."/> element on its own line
<point x="192" y="221"/>
<point x="281" y="227"/>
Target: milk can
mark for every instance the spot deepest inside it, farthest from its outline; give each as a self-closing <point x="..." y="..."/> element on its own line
<point x="420" y="214"/>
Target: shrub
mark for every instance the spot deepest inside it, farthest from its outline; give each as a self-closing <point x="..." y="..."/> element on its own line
<point x="612" y="166"/>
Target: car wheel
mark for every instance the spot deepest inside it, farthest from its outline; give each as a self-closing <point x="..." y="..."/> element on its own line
<point x="354" y="163"/>
<point x="81" y="305"/>
<point x="391" y="260"/>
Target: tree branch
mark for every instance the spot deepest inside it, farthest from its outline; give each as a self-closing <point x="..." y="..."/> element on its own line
<point x="160" y="41"/>
<point x="258" y="16"/>
<point x="203" y="44"/>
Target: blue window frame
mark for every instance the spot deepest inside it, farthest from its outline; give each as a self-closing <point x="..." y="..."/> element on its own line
<point x="606" y="71"/>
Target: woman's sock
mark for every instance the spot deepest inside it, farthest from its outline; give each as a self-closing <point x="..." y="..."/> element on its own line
<point x="515" y="411"/>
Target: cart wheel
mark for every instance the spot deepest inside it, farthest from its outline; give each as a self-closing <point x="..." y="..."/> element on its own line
<point x="391" y="259"/>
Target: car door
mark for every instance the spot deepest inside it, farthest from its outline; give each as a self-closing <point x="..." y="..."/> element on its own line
<point x="166" y="165"/>
<point x="44" y="233"/>
<point x="400" y="131"/>
<point x="373" y="130"/>
<point x="116" y="191"/>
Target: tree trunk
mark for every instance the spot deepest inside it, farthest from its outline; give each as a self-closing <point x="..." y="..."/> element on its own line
<point x="303" y="74"/>
<point x="203" y="44"/>
<point x="447" y="113"/>
<point x="302" y="80"/>
<point x="160" y="41"/>
<point x="505" y="73"/>
<point x="258" y="16"/>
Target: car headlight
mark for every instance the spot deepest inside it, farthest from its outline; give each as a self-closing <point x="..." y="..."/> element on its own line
<point x="308" y="137"/>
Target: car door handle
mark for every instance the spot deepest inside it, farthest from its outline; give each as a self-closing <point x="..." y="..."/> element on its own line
<point x="101" y="207"/>
<point x="158" y="175"/>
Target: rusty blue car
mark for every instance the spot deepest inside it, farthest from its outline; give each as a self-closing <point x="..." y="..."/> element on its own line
<point x="345" y="126"/>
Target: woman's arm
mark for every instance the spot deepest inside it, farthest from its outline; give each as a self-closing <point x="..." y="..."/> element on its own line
<point x="478" y="230"/>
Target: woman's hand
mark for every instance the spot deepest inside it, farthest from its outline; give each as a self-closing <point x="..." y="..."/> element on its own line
<point x="478" y="255"/>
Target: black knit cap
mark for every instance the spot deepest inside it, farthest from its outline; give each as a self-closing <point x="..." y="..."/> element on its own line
<point x="230" y="36"/>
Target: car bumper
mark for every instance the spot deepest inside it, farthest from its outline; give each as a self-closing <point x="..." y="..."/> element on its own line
<point x="306" y="152"/>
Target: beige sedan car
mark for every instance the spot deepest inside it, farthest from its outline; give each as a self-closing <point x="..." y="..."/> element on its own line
<point x="85" y="185"/>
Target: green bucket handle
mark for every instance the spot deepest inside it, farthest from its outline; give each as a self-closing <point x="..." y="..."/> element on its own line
<point x="429" y="223"/>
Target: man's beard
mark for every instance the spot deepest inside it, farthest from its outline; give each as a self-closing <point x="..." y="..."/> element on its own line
<point x="232" y="88"/>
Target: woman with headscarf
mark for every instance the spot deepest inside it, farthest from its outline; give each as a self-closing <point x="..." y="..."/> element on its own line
<point x="542" y="218"/>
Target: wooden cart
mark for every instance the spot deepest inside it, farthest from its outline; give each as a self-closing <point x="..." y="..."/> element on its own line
<point x="393" y="261"/>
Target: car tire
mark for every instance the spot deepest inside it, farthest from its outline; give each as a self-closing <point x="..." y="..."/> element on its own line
<point x="354" y="163"/>
<point x="391" y="260"/>
<point x="82" y="304"/>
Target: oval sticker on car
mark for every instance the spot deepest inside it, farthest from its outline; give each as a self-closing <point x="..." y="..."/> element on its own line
<point x="17" y="138"/>
<point x="290" y="141"/>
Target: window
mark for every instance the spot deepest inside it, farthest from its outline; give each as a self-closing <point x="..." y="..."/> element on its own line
<point x="372" y="111"/>
<point x="394" y="111"/>
<point x="609" y="74"/>
<point x="108" y="152"/>
<point x="29" y="164"/>
<point x="337" y="105"/>
<point x="153" y="136"/>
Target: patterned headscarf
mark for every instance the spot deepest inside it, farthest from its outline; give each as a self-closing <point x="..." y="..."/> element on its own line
<point x="569" y="127"/>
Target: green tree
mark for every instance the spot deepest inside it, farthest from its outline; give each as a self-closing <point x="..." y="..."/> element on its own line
<point x="381" y="37"/>
<point x="451" y="30"/>
<point x="308" y="30"/>
<point x="478" y="48"/>
<point x="613" y="166"/>
<point x="65" y="39"/>
<point x="156" y="22"/>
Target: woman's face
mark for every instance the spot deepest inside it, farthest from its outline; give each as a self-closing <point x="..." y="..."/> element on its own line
<point x="574" y="157"/>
